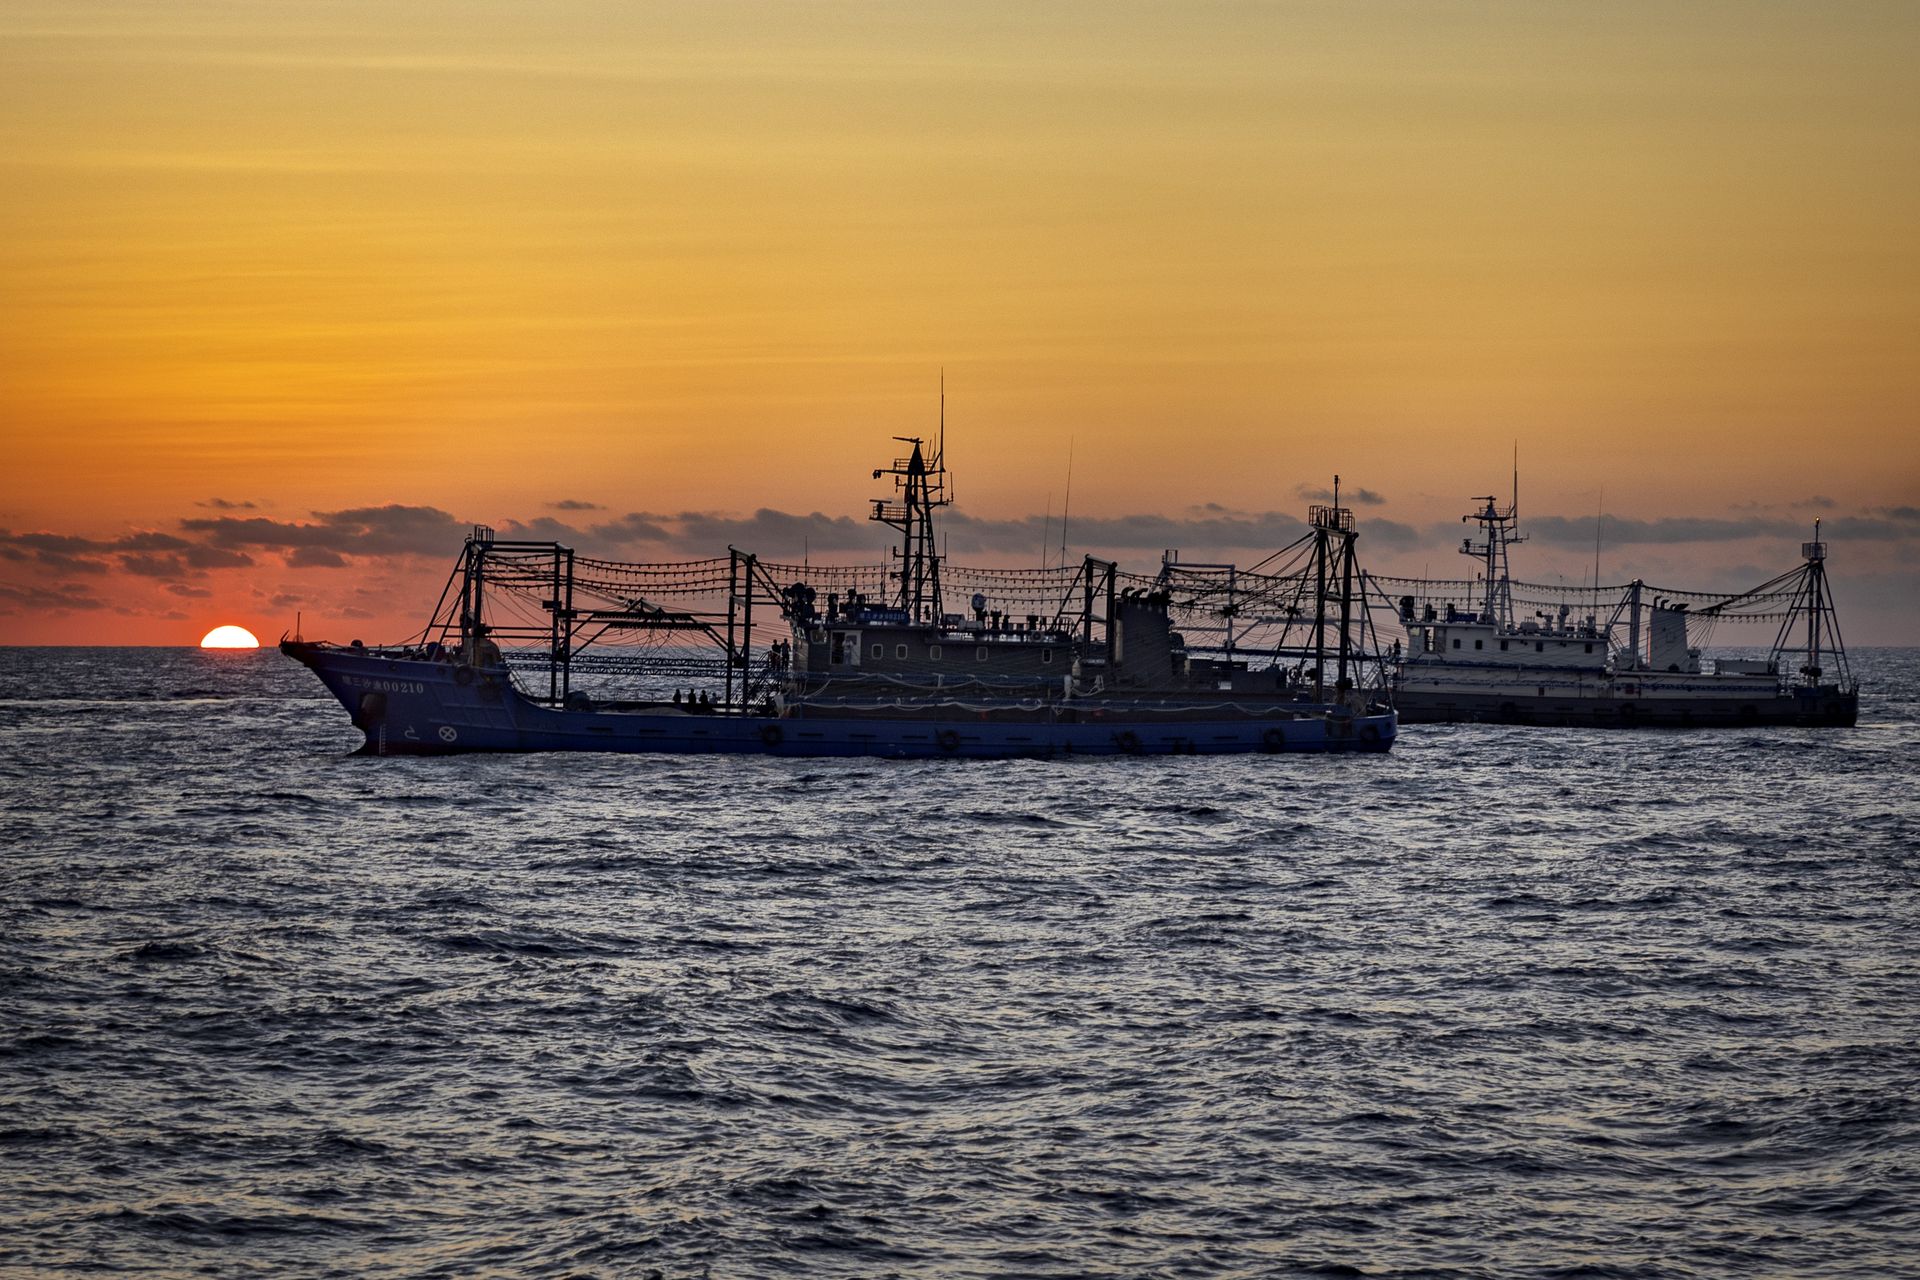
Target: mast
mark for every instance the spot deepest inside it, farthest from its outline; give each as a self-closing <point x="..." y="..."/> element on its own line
<point x="1822" y="646"/>
<point x="1498" y="531"/>
<point x="921" y="487"/>
<point x="1066" y="506"/>
<point x="1633" y="621"/>
<point x="1319" y="604"/>
<point x="1329" y="523"/>
<point x="472" y="589"/>
<point x="1816" y="591"/>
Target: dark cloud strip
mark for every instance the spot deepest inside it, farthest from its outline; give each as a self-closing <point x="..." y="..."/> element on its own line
<point x="1888" y="525"/>
<point x="340" y="539"/>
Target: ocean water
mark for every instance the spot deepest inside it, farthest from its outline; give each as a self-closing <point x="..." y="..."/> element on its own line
<point x="1506" y="1002"/>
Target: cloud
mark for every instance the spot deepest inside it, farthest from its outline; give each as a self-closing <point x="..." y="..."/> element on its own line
<point x="1889" y="524"/>
<point x="60" y="599"/>
<point x="146" y="554"/>
<point x="780" y="531"/>
<point x="575" y="504"/>
<point x="223" y="504"/>
<point x="215" y="558"/>
<point x="1357" y="496"/>
<point x="544" y="529"/>
<point x="315" y="558"/>
<point x="358" y="531"/>
<point x="783" y="533"/>
<point x="156" y="566"/>
<point x="1616" y="531"/>
<point x="634" y="527"/>
<point x="189" y="593"/>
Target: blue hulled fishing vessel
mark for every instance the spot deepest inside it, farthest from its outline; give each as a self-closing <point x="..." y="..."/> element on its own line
<point x="533" y="647"/>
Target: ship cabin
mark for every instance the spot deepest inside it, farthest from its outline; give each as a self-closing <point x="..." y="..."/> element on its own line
<point x="847" y="642"/>
<point x="1444" y="633"/>
<point x="853" y="638"/>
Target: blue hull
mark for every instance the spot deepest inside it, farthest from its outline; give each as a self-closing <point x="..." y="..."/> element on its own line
<point x="418" y="707"/>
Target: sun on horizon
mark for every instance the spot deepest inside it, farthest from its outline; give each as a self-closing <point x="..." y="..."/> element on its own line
<point x="229" y="637"/>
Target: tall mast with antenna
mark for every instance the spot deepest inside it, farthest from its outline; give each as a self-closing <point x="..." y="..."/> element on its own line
<point x="921" y="485"/>
<point x="1066" y="504"/>
<point x="1599" y="517"/>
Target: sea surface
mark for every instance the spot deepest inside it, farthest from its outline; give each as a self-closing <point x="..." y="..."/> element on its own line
<point x="1506" y="1002"/>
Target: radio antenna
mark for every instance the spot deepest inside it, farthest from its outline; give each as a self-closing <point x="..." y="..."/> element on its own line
<point x="1046" y="532"/>
<point x="1066" y="504"/>
<point x="1599" y="516"/>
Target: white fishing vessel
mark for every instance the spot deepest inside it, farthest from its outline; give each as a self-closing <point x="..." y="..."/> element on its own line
<point x="1613" y="656"/>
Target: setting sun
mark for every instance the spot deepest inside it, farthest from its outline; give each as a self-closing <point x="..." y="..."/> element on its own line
<point x="229" y="637"/>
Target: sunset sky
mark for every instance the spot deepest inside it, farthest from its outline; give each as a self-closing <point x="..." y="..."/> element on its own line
<point x="295" y="291"/>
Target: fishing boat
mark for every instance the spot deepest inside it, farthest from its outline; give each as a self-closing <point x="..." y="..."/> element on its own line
<point x="1627" y="656"/>
<point x="534" y="647"/>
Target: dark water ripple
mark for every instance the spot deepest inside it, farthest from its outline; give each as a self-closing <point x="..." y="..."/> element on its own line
<point x="1507" y="1002"/>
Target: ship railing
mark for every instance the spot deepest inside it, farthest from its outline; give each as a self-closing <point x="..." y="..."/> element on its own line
<point x="1324" y="517"/>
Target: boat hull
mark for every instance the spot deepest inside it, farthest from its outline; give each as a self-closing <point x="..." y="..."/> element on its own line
<point x="1814" y="708"/>
<point x="408" y="706"/>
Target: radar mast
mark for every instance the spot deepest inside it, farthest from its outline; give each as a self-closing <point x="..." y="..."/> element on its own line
<point x="1498" y="531"/>
<point x="920" y="484"/>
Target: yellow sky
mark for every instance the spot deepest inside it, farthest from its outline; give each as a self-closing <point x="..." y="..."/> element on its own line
<point x="484" y="256"/>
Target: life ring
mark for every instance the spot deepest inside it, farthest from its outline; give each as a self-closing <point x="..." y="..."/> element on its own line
<point x="772" y="734"/>
<point x="1274" y="739"/>
<point x="463" y="675"/>
<point x="947" y="740"/>
<point x="1128" y="741"/>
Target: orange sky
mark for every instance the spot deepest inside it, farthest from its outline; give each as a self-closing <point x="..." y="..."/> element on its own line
<point x="483" y="257"/>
